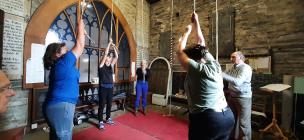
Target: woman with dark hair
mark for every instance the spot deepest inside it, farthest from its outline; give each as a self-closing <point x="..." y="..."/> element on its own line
<point x="209" y="117"/>
<point x="59" y="105"/>
<point x="106" y="84"/>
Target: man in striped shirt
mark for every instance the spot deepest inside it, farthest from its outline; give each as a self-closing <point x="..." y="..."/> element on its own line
<point x="240" y="95"/>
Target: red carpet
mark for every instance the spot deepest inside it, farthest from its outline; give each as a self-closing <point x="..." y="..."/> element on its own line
<point x="154" y="124"/>
<point x="128" y="127"/>
<point x="115" y="132"/>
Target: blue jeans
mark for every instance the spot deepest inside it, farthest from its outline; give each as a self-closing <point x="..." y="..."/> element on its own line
<point x="59" y="117"/>
<point x="141" y="90"/>
<point x="210" y="125"/>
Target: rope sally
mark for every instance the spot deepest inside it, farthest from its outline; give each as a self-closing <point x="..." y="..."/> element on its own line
<point x="111" y="28"/>
<point x="216" y="29"/>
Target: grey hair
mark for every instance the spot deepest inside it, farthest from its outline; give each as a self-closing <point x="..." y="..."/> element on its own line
<point x="241" y="55"/>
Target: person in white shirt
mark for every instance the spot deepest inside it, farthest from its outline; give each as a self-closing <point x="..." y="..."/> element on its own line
<point x="240" y="95"/>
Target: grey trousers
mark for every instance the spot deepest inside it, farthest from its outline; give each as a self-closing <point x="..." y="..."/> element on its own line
<point x="241" y="108"/>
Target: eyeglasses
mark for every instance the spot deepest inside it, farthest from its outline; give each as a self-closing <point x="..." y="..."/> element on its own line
<point x="6" y="88"/>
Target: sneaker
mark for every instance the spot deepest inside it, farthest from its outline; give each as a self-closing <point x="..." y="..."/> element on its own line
<point x="101" y="125"/>
<point x="145" y="111"/>
<point x="110" y="121"/>
<point x="135" y="112"/>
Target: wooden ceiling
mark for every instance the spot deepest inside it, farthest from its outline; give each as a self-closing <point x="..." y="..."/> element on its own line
<point x="152" y="1"/>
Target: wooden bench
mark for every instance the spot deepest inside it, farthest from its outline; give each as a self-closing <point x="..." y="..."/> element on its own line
<point x="89" y="99"/>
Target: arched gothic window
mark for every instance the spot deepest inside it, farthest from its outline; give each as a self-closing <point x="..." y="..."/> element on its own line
<point x="97" y="18"/>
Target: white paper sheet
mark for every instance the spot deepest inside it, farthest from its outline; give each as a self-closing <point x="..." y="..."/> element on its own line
<point x="133" y="69"/>
<point x="37" y="51"/>
<point x="34" y="71"/>
<point x="276" y="87"/>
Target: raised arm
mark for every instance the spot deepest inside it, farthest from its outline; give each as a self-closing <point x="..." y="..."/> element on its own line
<point x="104" y="57"/>
<point x="182" y="57"/>
<point x="116" y="55"/>
<point x="197" y="30"/>
<point x="78" y="48"/>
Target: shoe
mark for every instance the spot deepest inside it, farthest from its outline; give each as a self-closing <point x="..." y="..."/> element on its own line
<point x="101" y="125"/>
<point x="110" y="121"/>
<point x="145" y="111"/>
<point x="135" y="112"/>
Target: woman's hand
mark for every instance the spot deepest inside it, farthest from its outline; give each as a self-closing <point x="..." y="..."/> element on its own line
<point x="188" y="29"/>
<point x="113" y="45"/>
<point x="194" y="17"/>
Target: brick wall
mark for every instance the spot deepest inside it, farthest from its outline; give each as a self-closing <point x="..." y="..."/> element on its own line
<point x="140" y="25"/>
<point x="262" y="27"/>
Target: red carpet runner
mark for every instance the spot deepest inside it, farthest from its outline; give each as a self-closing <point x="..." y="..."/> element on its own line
<point x="128" y="127"/>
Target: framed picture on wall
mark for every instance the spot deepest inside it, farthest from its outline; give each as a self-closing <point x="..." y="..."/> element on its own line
<point x="260" y="64"/>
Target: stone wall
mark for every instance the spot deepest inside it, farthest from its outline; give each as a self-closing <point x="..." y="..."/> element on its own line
<point x="15" y="21"/>
<point x="132" y="11"/>
<point x="140" y="25"/>
<point x="262" y="27"/>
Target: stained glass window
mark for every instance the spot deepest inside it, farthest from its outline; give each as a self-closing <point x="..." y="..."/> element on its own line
<point x="97" y="19"/>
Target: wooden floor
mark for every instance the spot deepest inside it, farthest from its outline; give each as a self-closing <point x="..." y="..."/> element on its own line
<point x="176" y="111"/>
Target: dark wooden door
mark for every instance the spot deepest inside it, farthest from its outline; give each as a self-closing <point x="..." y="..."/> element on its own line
<point x="158" y="81"/>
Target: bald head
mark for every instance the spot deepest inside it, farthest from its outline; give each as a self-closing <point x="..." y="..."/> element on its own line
<point x="237" y="57"/>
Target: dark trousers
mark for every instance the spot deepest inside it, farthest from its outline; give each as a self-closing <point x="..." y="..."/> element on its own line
<point x="210" y="125"/>
<point x="105" y="97"/>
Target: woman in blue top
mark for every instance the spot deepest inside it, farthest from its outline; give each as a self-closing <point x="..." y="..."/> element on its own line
<point x="210" y="118"/>
<point x="59" y="105"/>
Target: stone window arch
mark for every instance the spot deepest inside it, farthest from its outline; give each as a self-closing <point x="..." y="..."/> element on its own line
<point x="60" y="22"/>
